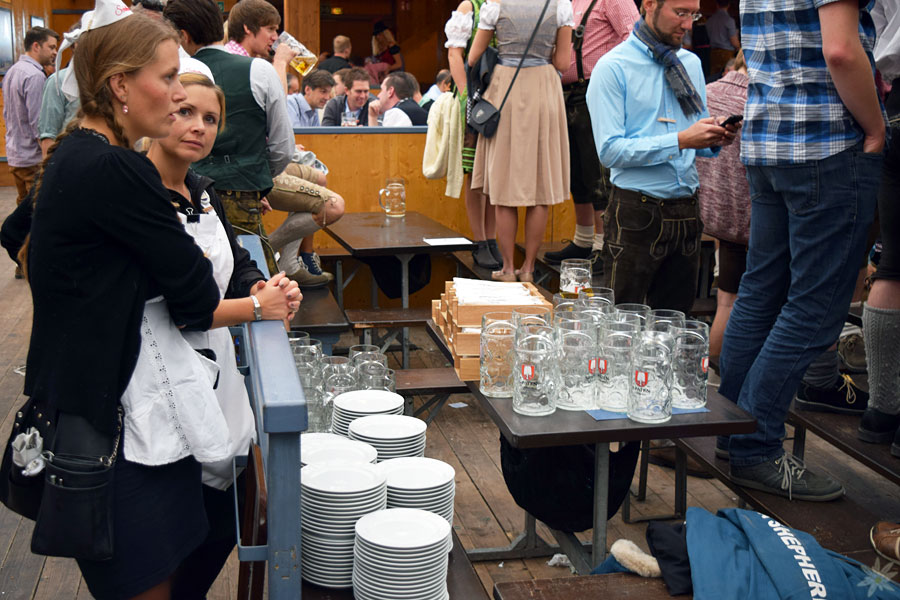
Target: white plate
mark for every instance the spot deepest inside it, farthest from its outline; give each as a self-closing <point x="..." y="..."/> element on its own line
<point x="400" y="553"/>
<point x="425" y="590"/>
<point x="388" y="427"/>
<point x="341" y="479"/>
<point x="368" y="401"/>
<point x="316" y="438"/>
<point x="352" y="414"/>
<point x="403" y="528"/>
<point x="336" y="451"/>
<point x="432" y="494"/>
<point x="417" y="473"/>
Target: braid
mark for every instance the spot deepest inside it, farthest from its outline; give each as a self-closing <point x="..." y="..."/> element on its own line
<point x="38" y="179"/>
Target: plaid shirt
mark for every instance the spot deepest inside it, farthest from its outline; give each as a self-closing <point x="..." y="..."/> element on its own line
<point x="794" y="113"/>
<point x="608" y="25"/>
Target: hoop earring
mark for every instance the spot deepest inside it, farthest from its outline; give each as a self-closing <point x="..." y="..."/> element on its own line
<point x="125" y="109"/>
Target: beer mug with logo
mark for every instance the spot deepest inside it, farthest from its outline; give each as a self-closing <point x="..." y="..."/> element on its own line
<point x="535" y="373"/>
<point x="649" y="393"/>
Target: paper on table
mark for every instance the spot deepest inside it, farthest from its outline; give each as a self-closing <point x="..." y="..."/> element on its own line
<point x="451" y="241"/>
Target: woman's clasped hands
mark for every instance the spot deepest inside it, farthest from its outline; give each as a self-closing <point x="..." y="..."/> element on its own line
<point x="279" y="297"/>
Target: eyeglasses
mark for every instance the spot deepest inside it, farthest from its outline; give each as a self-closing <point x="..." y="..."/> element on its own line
<point x="683" y="14"/>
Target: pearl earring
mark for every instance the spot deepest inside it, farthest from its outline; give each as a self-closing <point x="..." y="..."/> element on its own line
<point x="125" y="109"/>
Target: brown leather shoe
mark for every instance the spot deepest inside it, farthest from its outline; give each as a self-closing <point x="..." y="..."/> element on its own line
<point x="885" y="537"/>
<point x="662" y="454"/>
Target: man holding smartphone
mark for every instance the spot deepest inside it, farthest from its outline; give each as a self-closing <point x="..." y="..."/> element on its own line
<point x="813" y="163"/>
<point x="647" y="101"/>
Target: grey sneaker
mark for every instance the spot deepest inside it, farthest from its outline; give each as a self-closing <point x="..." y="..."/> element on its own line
<point x="787" y="476"/>
<point x="305" y="279"/>
<point x="314" y="264"/>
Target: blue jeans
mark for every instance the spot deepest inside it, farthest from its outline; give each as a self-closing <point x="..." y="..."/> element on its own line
<point x="808" y="231"/>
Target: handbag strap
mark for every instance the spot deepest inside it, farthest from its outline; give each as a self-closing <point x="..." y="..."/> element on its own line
<point x="527" y="48"/>
<point x="578" y="41"/>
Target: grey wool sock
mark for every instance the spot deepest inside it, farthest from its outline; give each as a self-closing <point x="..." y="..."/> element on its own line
<point x="881" y="330"/>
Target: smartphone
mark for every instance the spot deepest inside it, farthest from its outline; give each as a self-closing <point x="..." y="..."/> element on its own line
<point x="732" y="120"/>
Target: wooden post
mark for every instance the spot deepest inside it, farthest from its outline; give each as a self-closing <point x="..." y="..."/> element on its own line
<point x="301" y="19"/>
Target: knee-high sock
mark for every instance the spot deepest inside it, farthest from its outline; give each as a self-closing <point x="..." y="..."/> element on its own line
<point x="881" y="329"/>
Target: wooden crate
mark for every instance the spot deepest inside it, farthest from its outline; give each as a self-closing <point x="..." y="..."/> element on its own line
<point x="469" y="315"/>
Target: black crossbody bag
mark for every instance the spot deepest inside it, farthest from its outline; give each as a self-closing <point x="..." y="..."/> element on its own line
<point x="484" y="116"/>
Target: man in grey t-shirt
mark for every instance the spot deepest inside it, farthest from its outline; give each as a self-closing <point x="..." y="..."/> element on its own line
<point x="723" y="37"/>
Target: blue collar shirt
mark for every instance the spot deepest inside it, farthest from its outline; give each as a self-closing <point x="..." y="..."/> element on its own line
<point x="300" y="112"/>
<point x="636" y="119"/>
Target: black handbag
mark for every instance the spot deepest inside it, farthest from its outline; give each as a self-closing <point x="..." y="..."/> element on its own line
<point x="75" y="519"/>
<point x="484" y="117"/>
<point x="18" y="492"/>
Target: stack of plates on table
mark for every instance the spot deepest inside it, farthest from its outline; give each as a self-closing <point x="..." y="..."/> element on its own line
<point x="326" y="448"/>
<point x="360" y="403"/>
<point x="401" y="553"/>
<point x="333" y="497"/>
<point x="394" y="436"/>
<point x="418" y="482"/>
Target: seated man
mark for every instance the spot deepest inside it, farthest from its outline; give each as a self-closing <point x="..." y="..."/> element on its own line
<point x="396" y="103"/>
<point x="300" y="190"/>
<point x="352" y="108"/>
<point x="293" y="84"/>
<point x="303" y="108"/>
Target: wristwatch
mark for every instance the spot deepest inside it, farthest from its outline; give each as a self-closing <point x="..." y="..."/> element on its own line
<point x="257" y="309"/>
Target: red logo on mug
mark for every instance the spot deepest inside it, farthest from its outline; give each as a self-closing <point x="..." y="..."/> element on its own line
<point x="593" y="365"/>
<point x="704" y="364"/>
<point x="602" y="365"/>
<point x="641" y="378"/>
<point x="528" y="372"/>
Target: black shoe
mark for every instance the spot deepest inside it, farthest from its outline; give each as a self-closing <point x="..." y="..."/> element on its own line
<point x="787" y="476"/>
<point x="877" y="427"/>
<point x="596" y="258"/>
<point x="483" y="257"/>
<point x="570" y="251"/>
<point x="495" y="250"/>
<point x="844" y="397"/>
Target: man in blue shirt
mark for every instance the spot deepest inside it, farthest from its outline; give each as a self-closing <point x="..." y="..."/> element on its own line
<point x="647" y="102"/>
<point x="813" y="163"/>
<point x="303" y="109"/>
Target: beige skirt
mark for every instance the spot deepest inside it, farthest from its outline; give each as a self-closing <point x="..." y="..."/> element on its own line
<point x="526" y="163"/>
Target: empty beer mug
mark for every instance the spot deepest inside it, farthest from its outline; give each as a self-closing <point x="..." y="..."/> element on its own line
<point x="664" y="319"/>
<point x="641" y="310"/>
<point x="574" y="275"/>
<point x="392" y="197"/>
<point x="614" y="363"/>
<point x="690" y="365"/>
<point x="577" y="343"/>
<point x="649" y="393"/>
<point x="534" y="376"/>
<point x="595" y="294"/>
<point x="497" y="334"/>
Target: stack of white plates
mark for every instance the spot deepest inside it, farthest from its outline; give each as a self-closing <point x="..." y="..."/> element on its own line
<point x="327" y="448"/>
<point x="334" y="496"/>
<point x="423" y="483"/>
<point x="394" y="436"/>
<point x="360" y="403"/>
<point x="401" y="553"/>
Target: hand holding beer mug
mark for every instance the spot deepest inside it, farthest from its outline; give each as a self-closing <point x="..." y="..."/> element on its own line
<point x="304" y="61"/>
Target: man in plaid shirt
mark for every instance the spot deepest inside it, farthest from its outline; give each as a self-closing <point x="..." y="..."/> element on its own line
<point x="812" y="142"/>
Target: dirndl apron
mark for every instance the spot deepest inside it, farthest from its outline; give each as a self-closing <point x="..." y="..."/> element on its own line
<point x="208" y="232"/>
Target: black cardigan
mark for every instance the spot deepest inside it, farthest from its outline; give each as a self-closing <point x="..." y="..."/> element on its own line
<point x="104" y="239"/>
<point x="245" y="273"/>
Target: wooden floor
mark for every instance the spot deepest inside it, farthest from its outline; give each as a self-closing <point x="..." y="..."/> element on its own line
<point x="465" y="437"/>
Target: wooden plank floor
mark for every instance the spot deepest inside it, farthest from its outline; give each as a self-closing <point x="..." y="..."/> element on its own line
<point x="465" y="437"/>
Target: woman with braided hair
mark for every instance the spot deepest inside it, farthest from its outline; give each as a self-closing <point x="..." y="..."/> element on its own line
<point x="109" y="265"/>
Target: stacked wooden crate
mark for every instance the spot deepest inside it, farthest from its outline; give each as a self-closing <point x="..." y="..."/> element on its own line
<point x="460" y="322"/>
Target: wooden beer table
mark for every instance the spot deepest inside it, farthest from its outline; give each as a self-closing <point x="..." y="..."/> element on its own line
<point x="374" y="234"/>
<point x="566" y="428"/>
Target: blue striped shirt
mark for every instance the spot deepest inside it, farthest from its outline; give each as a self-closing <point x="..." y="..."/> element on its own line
<point x="793" y="113"/>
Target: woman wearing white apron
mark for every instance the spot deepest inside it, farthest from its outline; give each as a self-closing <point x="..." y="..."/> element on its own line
<point x="197" y="121"/>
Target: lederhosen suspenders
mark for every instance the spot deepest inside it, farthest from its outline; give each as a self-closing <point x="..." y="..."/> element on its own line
<point x="578" y="41"/>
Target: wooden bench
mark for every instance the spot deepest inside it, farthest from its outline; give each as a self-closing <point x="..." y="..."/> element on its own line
<point x="462" y="581"/>
<point x="365" y="320"/>
<point x="611" y="585"/>
<point x="440" y="383"/>
<point x="321" y="317"/>
<point x="840" y="432"/>
<point x="841" y="525"/>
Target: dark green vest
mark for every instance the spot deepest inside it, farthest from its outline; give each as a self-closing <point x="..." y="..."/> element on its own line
<point x="238" y="160"/>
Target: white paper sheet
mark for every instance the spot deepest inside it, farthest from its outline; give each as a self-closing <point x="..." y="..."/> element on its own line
<point x="451" y="241"/>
